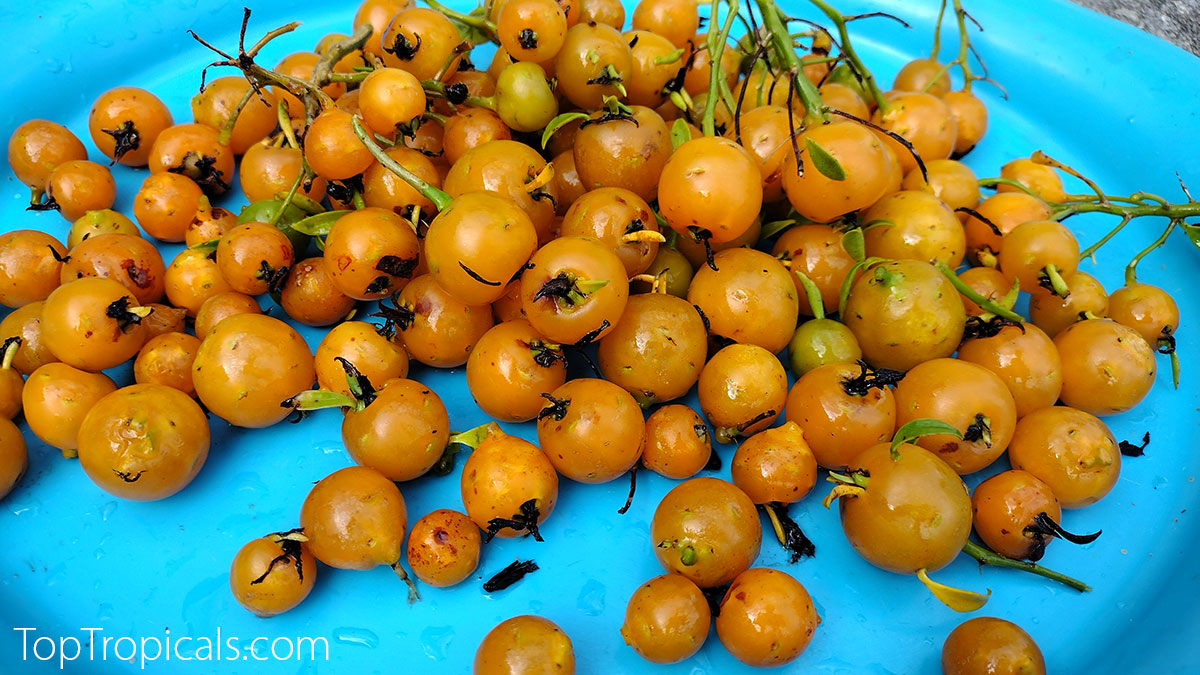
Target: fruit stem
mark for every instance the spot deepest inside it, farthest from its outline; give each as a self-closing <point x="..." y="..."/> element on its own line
<point x="937" y="33"/>
<point x="441" y="200"/>
<point x="10" y="347"/>
<point x="814" y="109"/>
<point x="1054" y="280"/>
<point x="716" y="41"/>
<point x="986" y="303"/>
<point x="226" y="131"/>
<point x="1091" y="250"/>
<point x="413" y="594"/>
<point x="988" y="557"/>
<point x="852" y="57"/>
<point x="471" y="437"/>
<point x="477" y="22"/>
<point x="1131" y="268"/>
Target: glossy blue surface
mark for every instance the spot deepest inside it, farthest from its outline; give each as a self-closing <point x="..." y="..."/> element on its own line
<point x="1114" y="102"/>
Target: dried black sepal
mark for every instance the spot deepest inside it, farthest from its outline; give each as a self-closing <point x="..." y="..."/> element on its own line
<point x="1130" y="450"/>
<point x="202" y="169"/>
<point x="1165" y="344"/>
<point x="766" y="414"/>
<point x="394" y="316"/>
<point x="609" y="116"/>
<point x="560" y="286"/>
<point x="475" y="275"/>
<point x="1044" y="527"/>
<point x="702" y="235"/>
<point x="456" y="93"/>
<point x="402" y="48"/>
<point x="557" y="408"/>
<point x="590" y="336"/>
<point x="797" y="544"/>
<point x="47" y="204"/>
<point x="981" y="218"/>
<point x="343" y="190"/>
<point x="525" y="520"/>
<point x="978" y="327"/>
<point x="128" y="476"/>
<point x="527" y="39"/>
<point x="870" y="378"/>
<point x="119" y="310"/>
<point x="291" y="553"/>
<point x="509" y="575"/>
<point x="632" y="487"/>
<point x="125" y="138"/>
<point x="378" y="285"/>
<point x="544" y="355"/>
<point x="366" y="392"/>
<point x="980" y="429"/>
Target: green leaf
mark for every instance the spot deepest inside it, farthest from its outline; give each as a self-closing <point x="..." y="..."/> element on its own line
<point x="854" y="244"/>
<point x="560" y="122"/>
<point x="826" y="163"/>
<point x="310" y="206"/>
<point x="813" y="293"/>
<point x="210" y="245"/>
<point x="918" y="428"/>
<point x="775" y="227"/>
<point x="1193" y="233"/>
<point x="680" y="133"/>
<point x="318" y="225"/>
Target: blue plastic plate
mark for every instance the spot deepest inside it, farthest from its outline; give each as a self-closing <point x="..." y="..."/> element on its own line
<point x="1104" y="97"/>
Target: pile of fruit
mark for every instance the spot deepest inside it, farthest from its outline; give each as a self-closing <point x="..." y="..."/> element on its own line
<point x="755" y="279"/>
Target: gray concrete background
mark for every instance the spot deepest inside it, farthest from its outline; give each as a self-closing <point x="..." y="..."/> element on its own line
<point x="1177" y="21"/>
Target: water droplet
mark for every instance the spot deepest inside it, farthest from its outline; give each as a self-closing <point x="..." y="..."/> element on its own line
<point x="591" y="598"/>
<point x="435" y="640"/>
<point x="107" y="510"/>
<point x="356" y="636"/>
<point x="536" y="606"/>
<point x="105" y="612"/>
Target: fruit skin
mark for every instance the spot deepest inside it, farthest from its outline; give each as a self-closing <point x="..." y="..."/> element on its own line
<point x="767" y="618"/>
<point x="355" y="519"/>
<point x="915" y="512"/>
<point x="525" y="644"/>
<point x="248" y="365"/>
<point x="143" y="442"/>
<point x="712" y="524"/>
<point x="666" y="620"/>
<point x="282" y="588"/>
<point x="985" y="645"/>
<point x="904" y="312"/>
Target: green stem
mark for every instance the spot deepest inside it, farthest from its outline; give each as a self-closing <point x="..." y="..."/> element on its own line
<point x="1131" y="268"/>
<point x="986" y="557"/>
<point x="937" y="33"/>
<point x="471" y="437"/>
<point x="478" y="22"/>
<point x="964" y="44"/>
<point x="716" y="41"/>
<point x="317" y="399"/>
<point x="227" y="128"/>
<point x="814" y="109"/>
<point x="848" y="50"/>
<point x="1173" y="211"/>
<point x="441" y="200"/>
<point x="992" y="182"/>
<point x="349" y="77"/>
<point x="274" y="219"/>
<point x="985" y="303"/>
